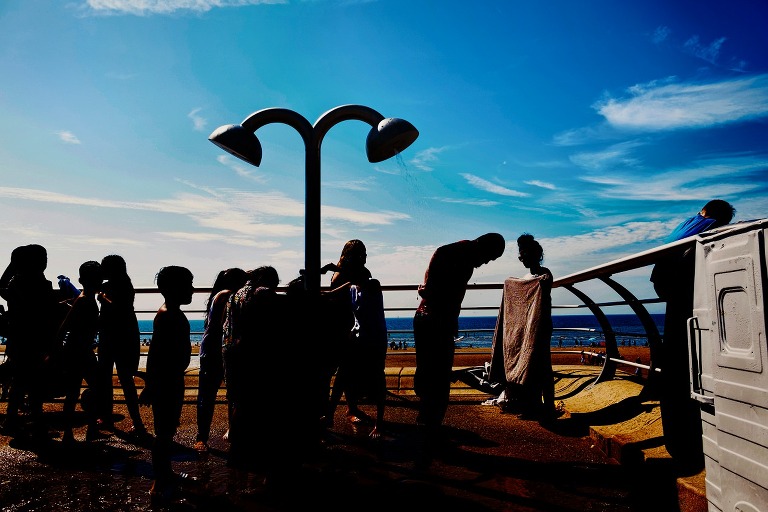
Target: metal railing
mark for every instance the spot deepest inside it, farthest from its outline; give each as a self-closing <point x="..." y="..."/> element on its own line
<point x="603" y="274"/>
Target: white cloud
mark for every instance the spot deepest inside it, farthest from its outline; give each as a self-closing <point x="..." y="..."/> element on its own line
<point x="668" y="106"/>
<point x="241" y="169"/>
<point x="470" y="202"/>
<point x="424" y="158"/>
<point x="702" y="181"/>
<point x="148" y="7"/>
<point x="362" y="218"/>
<point x="68" y="137"/>
<point x="223" y="210"/>
<point x="487" y="186"/>
<point x="198" y="121"/>
<point x="542" y="184"/>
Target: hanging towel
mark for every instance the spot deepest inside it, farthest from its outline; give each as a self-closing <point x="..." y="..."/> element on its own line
<point x="518" y="327"/>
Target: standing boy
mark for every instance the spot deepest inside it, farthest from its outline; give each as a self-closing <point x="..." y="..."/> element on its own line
<point x="168" y="358"/>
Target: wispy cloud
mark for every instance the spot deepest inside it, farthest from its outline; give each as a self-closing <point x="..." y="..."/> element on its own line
<point x="708" y="52"/>
<point x="240" y="169"/>
<point x="470" y="202"/>
<point x="425" y="158"/>
<point x="667" y="106"/>
<point x="68" y="137"/>
<point x="702" y="181"/>
<point x="363" y="218"/>
<point x="541" y="184"/>
<point x="198" y="122"/>
<point x="660" y="34"/>
<point x="224" y="210"/>
<point x="148" y="7"/>
<point x="493" y="188"/>
<point x="361" y="185"/>
<point x="604" y="241"/>
<point x="617" y="155"/>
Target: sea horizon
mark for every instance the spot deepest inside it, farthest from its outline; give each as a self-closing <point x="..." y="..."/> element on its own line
<point x="477" y="331"/>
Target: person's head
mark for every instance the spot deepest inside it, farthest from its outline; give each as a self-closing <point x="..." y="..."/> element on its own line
<point x="33" y="259"/>
<point x="264" y="276"/>
<point x="113" y="266"/>
<point x="353" y="254"/>
<point x="229" y="279"/>
<point x="90" y="276"/>
<point x="175" y="284"/>
<point x="721" y="211"/>
<point x="489" y="247"/>
<point x="530" y="252"/>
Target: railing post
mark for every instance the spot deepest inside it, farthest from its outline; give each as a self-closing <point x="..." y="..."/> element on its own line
<point x="611" y="348"/>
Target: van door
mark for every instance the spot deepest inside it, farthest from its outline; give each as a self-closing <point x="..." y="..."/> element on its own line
<point x="729" y="367"/>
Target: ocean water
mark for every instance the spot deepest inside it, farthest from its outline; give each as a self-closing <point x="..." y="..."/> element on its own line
<point x="477" y="331"/>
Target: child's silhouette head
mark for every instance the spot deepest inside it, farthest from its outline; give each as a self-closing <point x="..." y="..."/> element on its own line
<point x="91" y="276"/>
<point x="175" y="283"/>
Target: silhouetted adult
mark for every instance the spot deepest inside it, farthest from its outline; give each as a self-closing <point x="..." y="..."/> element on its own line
<point x="673" y="280"/>
<point x="32" y="324"/>
<point x="119" y="340"/>
<point x="362" y="337"/>
<point x="211" y="373"/>
<point x="259" y="376"/>
<point x="436" y="322"/>
<point x="349" y="270"/>
<point x="538" y="390"/>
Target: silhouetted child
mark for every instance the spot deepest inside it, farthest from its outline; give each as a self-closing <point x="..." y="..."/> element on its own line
<point x="168" y="358"/>
<point x="78" y="332"/>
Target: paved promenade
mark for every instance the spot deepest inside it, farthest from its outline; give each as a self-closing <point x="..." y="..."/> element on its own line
<point x="604" y="454"/>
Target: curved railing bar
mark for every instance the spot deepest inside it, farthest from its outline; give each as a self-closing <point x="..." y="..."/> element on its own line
<point x="651" y="331"/>
<point x="611" y="348"/>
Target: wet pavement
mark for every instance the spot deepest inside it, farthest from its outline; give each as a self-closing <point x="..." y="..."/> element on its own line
<point x="490" y="461"/>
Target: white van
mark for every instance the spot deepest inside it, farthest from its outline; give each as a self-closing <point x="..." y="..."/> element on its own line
<point x="729" y="364"/>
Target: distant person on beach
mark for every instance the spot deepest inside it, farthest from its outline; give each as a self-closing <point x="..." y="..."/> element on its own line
<point x="78" y="332"/>
<point x="211" y="373"/>
<point x="436" y="322"/>
<point x="167" y="361"/>
<point x="119" y="341"/>
<point x="362" y="338"/>
<point x="32" y="324"/>
<point x="673" y="281"/>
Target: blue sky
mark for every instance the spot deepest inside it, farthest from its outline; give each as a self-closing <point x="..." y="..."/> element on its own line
<point x="596" y="125"/>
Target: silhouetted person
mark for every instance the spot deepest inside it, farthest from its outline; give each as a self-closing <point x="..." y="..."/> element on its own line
<point x="119" y="340"/>
<point x="259" y="362"/>
<point x="540" y="389"/>
<point x="168" y="358"/>
<point x="32" y="324"/>
<point x="78" y="332"/>
<point x="436" y="322"/>
<point x="211" y="374"/>
<point x="673" y="280"/>
<point x="362" y="337"/>
<point x="349" y="270"/>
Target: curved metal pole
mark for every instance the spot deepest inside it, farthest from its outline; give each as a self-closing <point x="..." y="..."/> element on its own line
<point x="313" y="138"/>
<point x="651" y="331"/>
<point x="611" y="349"/>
